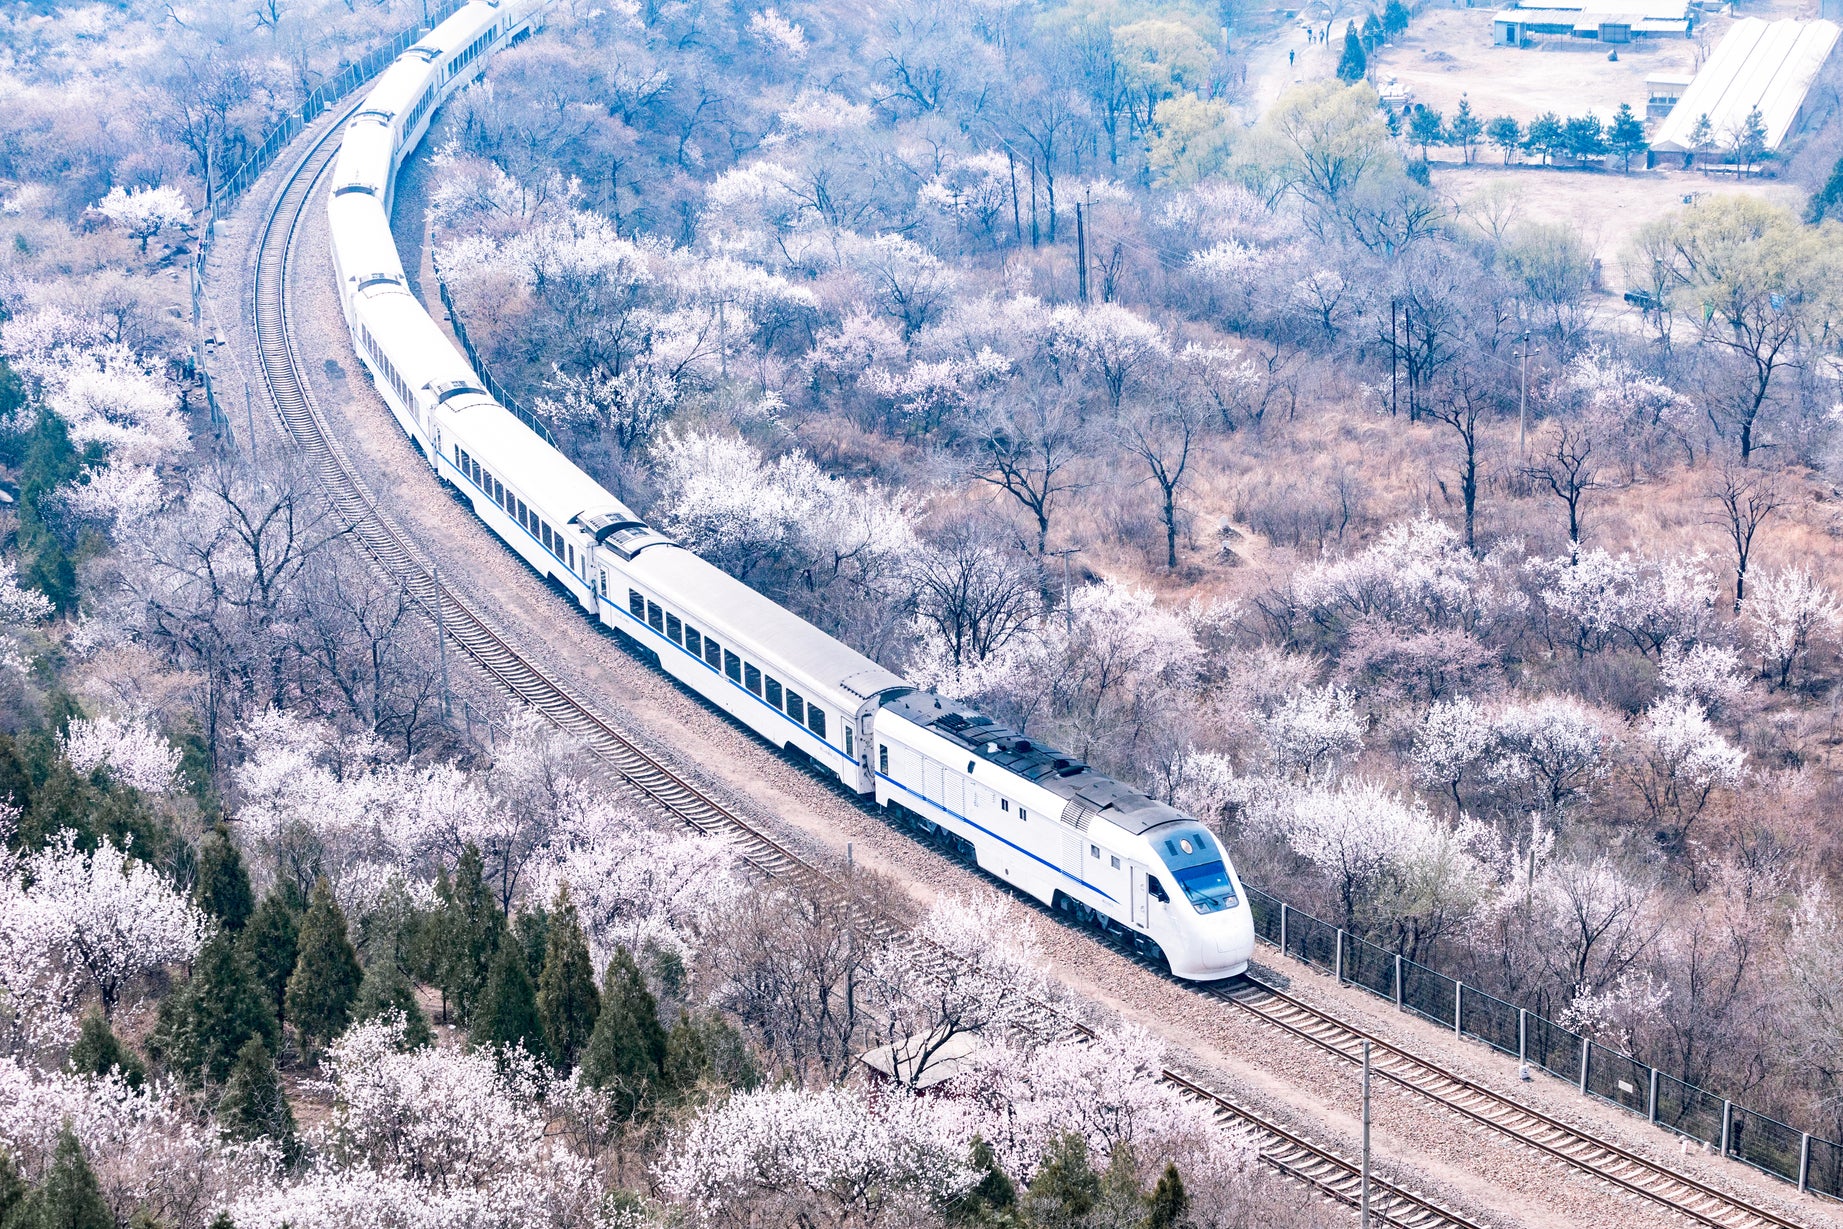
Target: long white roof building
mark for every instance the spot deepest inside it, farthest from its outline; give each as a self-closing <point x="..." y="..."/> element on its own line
<point x="1764" y="64"/>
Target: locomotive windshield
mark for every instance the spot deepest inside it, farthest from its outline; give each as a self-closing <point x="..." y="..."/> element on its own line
<point x="1197" y="865"/>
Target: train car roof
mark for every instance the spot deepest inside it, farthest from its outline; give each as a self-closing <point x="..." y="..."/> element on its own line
<point x="422" y="353"/>
<point x="399" y="86"/>
<point x="729" y="607"/>
<point x="361" y="237"/>
<point x="516" y="455"/>
<point x="1063" y="775"/>
<point x="364" y="156"/>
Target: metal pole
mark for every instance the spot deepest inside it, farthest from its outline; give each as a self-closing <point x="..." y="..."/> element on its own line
<point x="1283" y="912"/>
<point x="1651" y="1106"/>
<point x="1804" y="1163"/>
<point x="850" y="857"/>
<point x="1586" y="1049"/>
<point x="1458" y="1007"/>
<point x="1340" y="957"/>
<point x="1522" y="1036"/>
<point x="1394" y="357"/>
<point x="1365" y="1220"/>
<point x="1081" y="253"/>
<point x="1523" y="403"/>
<point x="1398" y="979"/>
<point x="441" y="642"/>
<point x="1727" y="1122"/>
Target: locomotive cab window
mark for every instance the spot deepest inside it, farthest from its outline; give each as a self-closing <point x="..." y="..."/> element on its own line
<point x="1156" y="889"/>
<point x="1199" y="869"/>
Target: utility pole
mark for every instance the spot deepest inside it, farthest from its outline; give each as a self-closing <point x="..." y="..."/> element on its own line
<point x="1081" y="252"/>
<point x="1365" y="1210"/>
<point x="1394" y="358"/>
<point x="1523" y="401"/>
<point x="1017" y="225"/>
<point x="1033" y="202"/>
<point x="723" y="349"/>
<point x="441" y="642"/>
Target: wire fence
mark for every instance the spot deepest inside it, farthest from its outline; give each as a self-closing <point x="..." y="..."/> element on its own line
<point x="1815" y="1164"/>
<point x="494" y="388"/>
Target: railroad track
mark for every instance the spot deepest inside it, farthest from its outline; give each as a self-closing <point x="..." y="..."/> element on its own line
<point x="1607" y="1161"/>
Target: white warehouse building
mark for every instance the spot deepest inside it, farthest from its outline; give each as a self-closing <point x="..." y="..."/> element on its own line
<point x="1769" y="65"/>
<point x="1607" y="21"/>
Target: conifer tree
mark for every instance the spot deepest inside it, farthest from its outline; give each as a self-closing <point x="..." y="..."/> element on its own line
<point x="326" y="973"/>
<point x="223" y="887"/>
<point x="627" y="1049"/>
<point x="470" y="932"/>
<point x="1353" y="65"/>
<point x="532" y="930"/>
<point x="1066" y="1188"/>
<point x="99" y="1052"/>
<point x="507" y="1014"/>
<point x="13" y="1191"/>
<point x="567" y="999"/>
<point x="1169" y="1200"/>
<point x="387" y="989"/>
<point x="270" y="940"/>
<point x="254" y="1104"/>
<point x="993" y="1199"/>
<point x="70" y="1197"/>
<point x="204" y="1024"/>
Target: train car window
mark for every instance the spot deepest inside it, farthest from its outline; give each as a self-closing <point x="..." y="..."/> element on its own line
<point x="675" y="631"/>
<point x="969" y="768"/>
<point x="774" y="693"/>
<point x="604" y="584"/>
<point x="796" y="706"/>
<point x="636" y="605"/>
<point x="1094" y="851"/>
<point x="544" y="534"/>
<point x="752" y="678"/>
<point x="1004" y="804"/>
<point x="732" y="666"/>
<point x="694" y="641"/>
<point x="816" y="722"/>
<point x="713" y="654"/>
<point x="1116" y="861"/>
<point x="569" y="552"/>
<point x="883" y="759"/>
<point x="1156" y="889"/>
<point x="822" y="721"/>
<point x="1023" y="816"/>
<point x="520" y="505"/>
<point x="655" y="617"/>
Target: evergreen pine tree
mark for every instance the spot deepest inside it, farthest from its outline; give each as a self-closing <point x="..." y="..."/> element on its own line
<point x="223" y="1221"/>
<point x="567" y="999"/>
<point x="223" y="887"/>
<point x="387" y="989"/>
<point x="706" y="1050"/>
<point x="1626" y="136"/>
<point x="1066" y="1187"/>
<point x="532" y="930"/>
<point x="507" y="1014"/>
<point x="13" y="1192"/>
<point x="1168" y="1202"/>
<point x="1353" y="65"/>
<point x="69" y="1197"/>
<point x="254" y="1104"/>
<point x="1823" y="205"/>
<point x="1395" y="19"/>
<point x="993" y="1199"/>
<point x="326" y="973"/>
<point x="269" y="940"/>
<point x="50" y="461"/>
<point x="627" y="1049"/>
<point x="98" y="1052"/>
<point x="471" y="930"/>
<point x="204" y="1024"/>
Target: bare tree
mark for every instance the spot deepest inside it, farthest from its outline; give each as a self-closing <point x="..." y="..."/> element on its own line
<point x="1027" y="443"/>
<point x="1164" y="435"/>
<point x="1745" y="498"/>
<point x="1567" y="467"/>
<point x="976" y="587"/>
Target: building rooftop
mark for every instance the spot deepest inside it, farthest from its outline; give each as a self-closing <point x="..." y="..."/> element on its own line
<point x="1765" y="64"/>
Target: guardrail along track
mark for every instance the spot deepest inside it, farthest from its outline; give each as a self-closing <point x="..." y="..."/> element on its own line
<point x="1623" y="1168"/>
<point x="1315" y="1165"/>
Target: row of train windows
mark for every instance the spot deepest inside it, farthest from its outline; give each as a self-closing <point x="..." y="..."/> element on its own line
<point x="515" y="507"/>
<point x="389" y="372"/>
<point x="473" y="51"/>
<point x="419" y="110"/>
<point x="717" y="657"/>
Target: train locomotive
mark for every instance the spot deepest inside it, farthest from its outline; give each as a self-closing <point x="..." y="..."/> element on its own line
<point x="1043" y="821"/>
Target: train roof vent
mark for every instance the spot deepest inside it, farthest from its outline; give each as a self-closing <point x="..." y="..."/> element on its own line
<point x="449" y="389"/>
<point x="377" y="113"/>
<point x="367" y="280"/>
<point x="366" y="188"/>
<point x="429" y="54"/>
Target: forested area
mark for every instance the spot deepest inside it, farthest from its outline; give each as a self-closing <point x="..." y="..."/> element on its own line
<point x="1001" y="341"/>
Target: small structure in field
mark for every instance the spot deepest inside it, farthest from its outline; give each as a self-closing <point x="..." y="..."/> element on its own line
<point x="1752" y="93"/>
<point x="1606" y="21"/>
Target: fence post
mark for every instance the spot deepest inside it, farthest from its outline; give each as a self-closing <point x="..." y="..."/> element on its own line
<point x="1398" y="979"/>
<point x="1340" y="957"/>
<point x="1522" y="1037"/>
<point x="1727" y="1120"/>
<point x="1651" y="1112"/>
<point x="1586" y="1049"/>
<point x="1458" y="1006"/>
<point x="1283" y="913"/>
<point x="1804" y="1163"/>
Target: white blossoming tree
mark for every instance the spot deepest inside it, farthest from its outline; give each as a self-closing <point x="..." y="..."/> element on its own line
<point x="130" y="749"/>
<point x="1681" y="762"/>
<point x="1788" y="614"/>
<point x="144" y="212"/>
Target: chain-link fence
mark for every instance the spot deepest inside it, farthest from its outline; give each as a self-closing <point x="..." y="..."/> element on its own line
<point x="494" y="388"/>
<point x="1814" y="1163"/>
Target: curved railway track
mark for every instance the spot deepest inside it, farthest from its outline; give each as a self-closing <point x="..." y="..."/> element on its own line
<point x="1324" y="1170"/>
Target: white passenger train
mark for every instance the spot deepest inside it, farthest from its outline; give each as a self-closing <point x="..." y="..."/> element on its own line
<point x="1048" y="824"/>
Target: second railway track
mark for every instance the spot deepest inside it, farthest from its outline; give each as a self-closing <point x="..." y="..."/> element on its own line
<point x="1323" y="1169"/>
